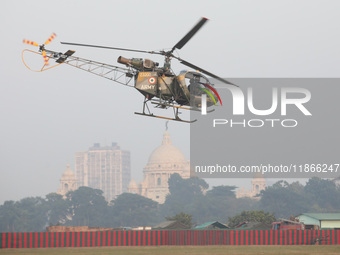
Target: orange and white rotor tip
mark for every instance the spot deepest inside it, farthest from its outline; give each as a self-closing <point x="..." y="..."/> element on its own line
<point x="30" y="42"/>
<point x="51" y="38"/>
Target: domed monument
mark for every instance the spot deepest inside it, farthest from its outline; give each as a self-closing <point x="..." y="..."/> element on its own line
<point x="68" y="181"/>
<point x="164" y="161"/>
<point x="258" y="184"/>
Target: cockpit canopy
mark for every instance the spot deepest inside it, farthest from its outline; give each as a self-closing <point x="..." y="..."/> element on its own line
<point x="194" y="77"/>
<point x="194" y="84"/>
<point x="195" y="81"/>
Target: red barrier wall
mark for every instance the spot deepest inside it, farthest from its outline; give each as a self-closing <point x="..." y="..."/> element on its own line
<point x="167" y="237"/>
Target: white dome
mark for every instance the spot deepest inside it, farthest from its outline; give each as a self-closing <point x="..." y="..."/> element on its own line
<point x="68" y="173"/>
<point x="166" y="153"/>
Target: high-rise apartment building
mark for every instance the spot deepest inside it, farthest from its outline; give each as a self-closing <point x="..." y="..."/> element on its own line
<point x="104" y="167"/>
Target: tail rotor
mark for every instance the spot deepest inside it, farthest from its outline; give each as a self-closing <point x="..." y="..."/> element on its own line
<point x="42" y="47"/>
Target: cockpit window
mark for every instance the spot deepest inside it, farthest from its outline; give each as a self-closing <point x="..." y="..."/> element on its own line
<point x="194" y="82"/>
<point x="196" y="76"/>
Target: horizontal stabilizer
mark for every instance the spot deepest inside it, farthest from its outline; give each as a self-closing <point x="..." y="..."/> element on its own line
<point x="64" y="56"/>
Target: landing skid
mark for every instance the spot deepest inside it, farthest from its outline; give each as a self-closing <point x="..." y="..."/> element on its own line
<point x="164" y="105"/>
<point x="162" y="117"/>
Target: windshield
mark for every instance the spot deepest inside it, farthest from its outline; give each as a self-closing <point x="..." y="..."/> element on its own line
<point x="195" y="77"/>
<point x="194" y="82"/>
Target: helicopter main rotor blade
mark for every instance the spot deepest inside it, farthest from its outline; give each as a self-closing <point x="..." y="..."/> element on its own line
<point x="190" y="34"/>
<point x="111" y="48"/>
<point x="205" y="72"/>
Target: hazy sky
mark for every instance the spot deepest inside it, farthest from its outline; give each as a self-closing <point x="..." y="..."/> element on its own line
<point x="47" y="117"/>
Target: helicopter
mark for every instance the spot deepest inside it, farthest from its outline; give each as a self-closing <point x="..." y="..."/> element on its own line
<point x="159" y="85"/>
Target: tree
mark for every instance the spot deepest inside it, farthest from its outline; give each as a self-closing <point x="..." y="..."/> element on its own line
<point x="87" y="207"/>
<point x="183" y="193"/>
<point x="218" y="203"/>
<point x="222" y="191"/>
<point x="57" y="209"/>
<point x="131" y="210"/>
<point x="9" y="217"/>
<point x="285" y="199"/>
<point x="183" y="218"/>
<point x="27" y="215"/>
<point x="32" y="214"/>
<point x="251" y="216"/>
<point x="324" y="194"/>
<point x="186" y="188"/>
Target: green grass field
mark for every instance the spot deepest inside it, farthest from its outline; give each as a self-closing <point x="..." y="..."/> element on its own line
<point x="179" y="250"/>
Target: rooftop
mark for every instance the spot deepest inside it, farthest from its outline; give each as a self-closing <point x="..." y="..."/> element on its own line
<point x="211" y="224"/>
<point x="322" y="216"/>
<point x="170" y="224"/>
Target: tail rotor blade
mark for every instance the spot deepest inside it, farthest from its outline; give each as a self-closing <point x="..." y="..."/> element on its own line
<point x="30" y="42"/>
<point x="51" y="38"/>
<point x="45" y="57"/>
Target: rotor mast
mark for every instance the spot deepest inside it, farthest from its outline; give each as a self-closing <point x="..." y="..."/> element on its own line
<point x="168" y="55"/>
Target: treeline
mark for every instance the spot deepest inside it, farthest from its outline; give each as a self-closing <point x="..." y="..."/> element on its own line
<point x="87" y="207"/>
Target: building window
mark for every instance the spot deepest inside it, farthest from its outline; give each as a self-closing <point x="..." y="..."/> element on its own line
<point x="158" y="181"/>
